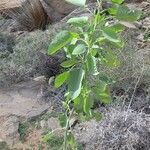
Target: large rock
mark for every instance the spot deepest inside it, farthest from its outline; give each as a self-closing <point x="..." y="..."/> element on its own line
<point x="9" y="4"/>
<point x="24" y="100"/>
<point x="32" y="14"/>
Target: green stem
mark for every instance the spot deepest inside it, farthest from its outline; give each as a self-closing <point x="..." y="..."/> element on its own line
<point x="66" y="130"/>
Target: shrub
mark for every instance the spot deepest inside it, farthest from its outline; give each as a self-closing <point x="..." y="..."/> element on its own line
<point x="96" y="41"/>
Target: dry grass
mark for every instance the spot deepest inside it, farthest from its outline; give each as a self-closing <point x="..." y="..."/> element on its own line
<point x="115" y="131"/>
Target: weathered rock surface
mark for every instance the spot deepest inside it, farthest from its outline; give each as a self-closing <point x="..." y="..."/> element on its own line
<point x="9" y="4"/>
<point x="23" y="100"/>
<point x="9" y="129"/>
<point x="32" y="14"/>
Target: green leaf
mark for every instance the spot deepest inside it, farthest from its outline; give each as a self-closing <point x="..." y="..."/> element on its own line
<point x="48" y="137"/>
<point x="68" y="63"/>
<point x="102" y="93"/>
<point x="59" y="42"/>
<point x="118" y="28"/>
<point x="107" y="79"/>
<point x="78" y="104"/>
<point x="75" y="35"/>
<point x="110" y="34"/>
<point x="61" y="78"/>
<point x="69" y="49"/>
<point x="78" y="21"/>
<point x="71" y="140"/>
<point x="77" y="2"/>
<point x="125" y="14"/>
<point x="91" y="65"/>
<point x="88" y="104"/>
<point x="128" y="24"/>
<point x="75" y="82"/>
<point x="112" y="11"/>
<point x="94" y="52"/>
<point x="62" y="120"/>
<point x="99" y="18"/>
<point x="104" y="96"/>
<point x="80" y="49"/>
<point x="111" y="59"/>
<point x="118" y="1"/>
<point x="102" y="86"/>
<point x="115" y="45"/>
<point x="97" y="115"/>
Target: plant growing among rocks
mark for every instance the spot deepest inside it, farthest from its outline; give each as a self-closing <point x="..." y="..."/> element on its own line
<point x="92" y="43"/>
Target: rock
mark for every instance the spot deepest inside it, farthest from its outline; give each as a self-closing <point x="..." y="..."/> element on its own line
<point x="53" y="123"/>
<point x="23" y="100"/>
<point x="43" y="124"/>
<point x="57" y="9"/>
<point x="146" y="23"/>
<point x="140" y="37"/>
<point x="9" y="130"/>
<point x="9" y="4"/>
<point x="51" y="12"/>
<point x="32" y="14"/>
<point x="145" y="4"/>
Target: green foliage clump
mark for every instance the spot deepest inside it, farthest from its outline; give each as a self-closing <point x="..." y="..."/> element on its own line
<point x="23" y="131"/>
<point x="55" y="142"/>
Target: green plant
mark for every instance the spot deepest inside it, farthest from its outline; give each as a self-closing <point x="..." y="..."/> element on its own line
<point x="93" y="43"/>
<point x="22" y="130"/>
<point x="55" y="142"/>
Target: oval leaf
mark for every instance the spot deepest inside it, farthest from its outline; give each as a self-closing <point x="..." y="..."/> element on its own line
<point x="75" y="82"/>
<point x="91" y="65"/>
<point x="61" y="78"/>
<point x="105" y="98"/>
<point x="118" y="27"/>
<point x="77" y="2"/>
<point x="111" y="59"/>
<point x="78" y="21"/>
<point x="118" y="1"/>
<point x="78" y="104"/>
<point x="110" y="34"/>
<point x="125" y="14"/>
<point x="128" y="24"/>
<point x="59" y="42"/>
<point x="88" y="104"/>
<point x="102" y="94"/>
<point x="80" y="49"/>
<point x="68" y="63"/>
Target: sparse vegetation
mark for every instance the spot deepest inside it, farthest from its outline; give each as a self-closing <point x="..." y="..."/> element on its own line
<point x="23" y="131"/>
<point x="104" y="76"/>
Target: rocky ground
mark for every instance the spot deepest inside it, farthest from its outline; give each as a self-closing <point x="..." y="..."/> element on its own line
<point x="27" y="102"/>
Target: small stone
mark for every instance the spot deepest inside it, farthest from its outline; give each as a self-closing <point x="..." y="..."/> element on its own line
<point x="145" y="4"/>
<point x="43" y="124"/>
<point x="146" y="23"/>
<point x="53" y="123"/>
<point x="140" y="37"/>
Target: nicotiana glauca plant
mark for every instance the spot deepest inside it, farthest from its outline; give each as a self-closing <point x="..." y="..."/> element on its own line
<point x="92" y="43"/>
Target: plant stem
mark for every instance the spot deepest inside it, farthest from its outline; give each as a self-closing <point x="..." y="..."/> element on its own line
<point x="66" y="130"/>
